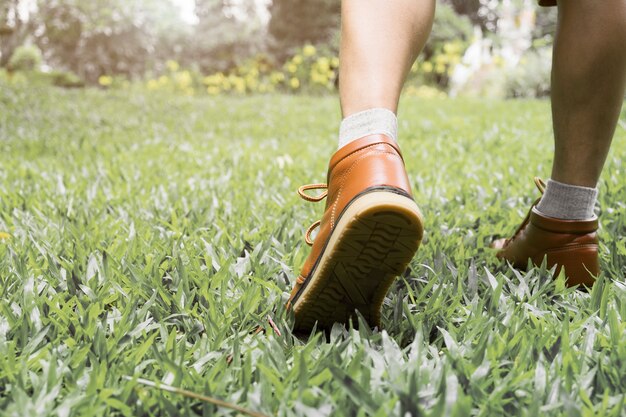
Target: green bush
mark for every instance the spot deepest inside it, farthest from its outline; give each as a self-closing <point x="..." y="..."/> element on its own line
<point x="4" y="76"/>
<point x="66" y="79"/>
<point x="25" y="58"/>
<point x="309" y="70"/>
<point x="446" y="45"/>
<point x="531" y="77"/>
<point x="41" y="79"/>
<point x="448" y="27"/>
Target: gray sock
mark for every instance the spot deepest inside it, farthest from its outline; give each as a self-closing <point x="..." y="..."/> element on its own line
<point x="567" y="202"/>
<point x="368" y="122"/>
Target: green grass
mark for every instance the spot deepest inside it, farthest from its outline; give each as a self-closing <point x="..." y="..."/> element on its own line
<point x="150" y="235"/>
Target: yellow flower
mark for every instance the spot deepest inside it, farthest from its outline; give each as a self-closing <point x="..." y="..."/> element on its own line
<point x="452" y="47"/>
<point x="323" y="64"/>
<point x="309" y="50"/>
<point x="4" y="235"/>
<point x="297" y="60"/>
<point x="105" y="80"/>
<point x="292" y="68"/>
<point x="253" y="72"/>
<point x="239" y="84"/>
<point x="334" y="62"/>
<point x="318" y="78"/>
<point x="277" y="77"/>
<point x="183" y="79"/>
<point x="499" y="61"/>
<point x="212" y="90"/>
<point x="294" y="83"/>
<point x="425" y="91"/>
<point x="153" y="85"/>
<point x="427" y="67"/>
<point x="172" y="65"/>
<point x="252" y="83"/>
<point x="214" y="79"/>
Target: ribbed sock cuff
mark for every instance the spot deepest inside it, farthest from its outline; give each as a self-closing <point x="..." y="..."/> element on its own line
<point x="368" y="122"/>
<point x="567" y="202"/>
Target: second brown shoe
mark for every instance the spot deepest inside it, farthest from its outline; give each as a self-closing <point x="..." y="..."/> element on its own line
<point x="568" y="244"/>
<point x="370" y="230"/>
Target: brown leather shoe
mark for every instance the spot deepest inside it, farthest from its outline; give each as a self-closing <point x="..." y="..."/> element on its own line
<point x="568" y="244"/>
<point x="369" y="232"/>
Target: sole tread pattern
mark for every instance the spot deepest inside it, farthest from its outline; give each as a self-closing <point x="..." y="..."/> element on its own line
<point x="373" y="248"/>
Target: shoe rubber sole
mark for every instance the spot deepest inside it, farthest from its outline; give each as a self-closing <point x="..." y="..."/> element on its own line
<point x="372" y="243"/>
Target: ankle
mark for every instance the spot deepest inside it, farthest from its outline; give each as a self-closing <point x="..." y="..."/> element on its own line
<point x="567" y="202"/>
<point x="368" y="122"/>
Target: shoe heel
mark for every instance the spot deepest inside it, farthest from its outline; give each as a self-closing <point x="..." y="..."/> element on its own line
<point x="372" y="243"/>
<point x="581" y="264"/>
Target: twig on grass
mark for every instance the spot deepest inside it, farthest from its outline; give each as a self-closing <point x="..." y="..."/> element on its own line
<point x="259" y="329"/>
<point x="274" y="327"/>
<point x="189" y="394"/>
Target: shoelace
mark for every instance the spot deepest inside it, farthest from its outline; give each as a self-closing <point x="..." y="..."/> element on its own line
<point x="541" y="186"/>
<point x="314" y="199"/>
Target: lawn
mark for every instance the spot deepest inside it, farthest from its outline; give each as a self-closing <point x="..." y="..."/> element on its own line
<point x="146" y="237"/>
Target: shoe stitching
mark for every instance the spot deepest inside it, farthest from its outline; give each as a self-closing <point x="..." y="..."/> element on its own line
<point x="508" y="242"/>
<point x="343" y="180"/>
<point x="344" y="176"/>
<point x="526" y="223"/>
<point x="570" y="247"/>
<point x="569" y="232"/>
<point x="365" y="148"/>
<point x="332" y="213"/>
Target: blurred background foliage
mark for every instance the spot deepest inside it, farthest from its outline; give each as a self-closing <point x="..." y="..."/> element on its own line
<point x="477" y="47"/>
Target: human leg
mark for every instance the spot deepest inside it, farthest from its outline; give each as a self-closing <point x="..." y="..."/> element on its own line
<point x="588" y="81"/>
<point x="380" y="40"/>
<point x="371" y="226"/>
